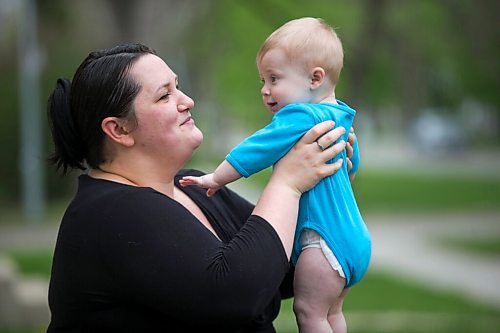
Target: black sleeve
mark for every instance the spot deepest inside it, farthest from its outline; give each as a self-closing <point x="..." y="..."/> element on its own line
<point x="164" y="258"/>
<point x="233" y="209"/>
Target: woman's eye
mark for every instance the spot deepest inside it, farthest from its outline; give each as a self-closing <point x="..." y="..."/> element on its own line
<point x="164" y="97"/>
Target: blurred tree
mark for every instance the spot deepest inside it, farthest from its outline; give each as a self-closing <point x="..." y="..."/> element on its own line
<point x="361" y="57"/>
<point x="476" y="30"/>
<point x="400" y="57"/>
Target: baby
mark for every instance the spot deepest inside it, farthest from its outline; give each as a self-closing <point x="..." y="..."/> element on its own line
<point x="299" y="65"/>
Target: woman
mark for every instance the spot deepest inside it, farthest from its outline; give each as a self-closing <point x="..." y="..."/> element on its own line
<point x="135" y="251"/>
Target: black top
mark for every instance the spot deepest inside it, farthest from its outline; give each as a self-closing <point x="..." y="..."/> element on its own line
<point x="132" y="259"/>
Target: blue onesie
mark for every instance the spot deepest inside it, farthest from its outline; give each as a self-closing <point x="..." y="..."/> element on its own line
<point x="329" y="208"/>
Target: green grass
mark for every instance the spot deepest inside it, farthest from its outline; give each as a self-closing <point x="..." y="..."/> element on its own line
<point x="23" y="330"/>
<point x="489" y="246"/>
<point x="405" y="192"/>
<point x="32" y="262"/>
<point x="384" y="303"/>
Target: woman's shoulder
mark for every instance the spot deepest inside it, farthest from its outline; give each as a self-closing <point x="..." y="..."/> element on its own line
<point x="98" y="187"/>
<point x="110" y="195"/>
<point x="189" y="172"/>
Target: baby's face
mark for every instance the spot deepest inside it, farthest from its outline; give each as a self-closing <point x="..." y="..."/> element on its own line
<point x="283" y="83"/>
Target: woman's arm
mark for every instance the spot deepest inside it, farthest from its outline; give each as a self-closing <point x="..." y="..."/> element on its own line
<point x="298" y="171"/>
<point x="160" y="256"/>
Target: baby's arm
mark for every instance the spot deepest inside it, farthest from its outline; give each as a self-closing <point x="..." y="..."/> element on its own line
<point x="223" y="175"/>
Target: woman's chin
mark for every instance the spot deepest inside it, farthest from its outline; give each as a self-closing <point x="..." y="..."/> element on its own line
<point x="197" y="137"/>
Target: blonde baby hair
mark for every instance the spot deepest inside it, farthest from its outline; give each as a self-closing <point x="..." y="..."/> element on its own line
<point x="309" y="41"/>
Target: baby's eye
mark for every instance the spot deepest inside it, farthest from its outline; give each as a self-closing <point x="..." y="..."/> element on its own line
<point x="274" y="78"/>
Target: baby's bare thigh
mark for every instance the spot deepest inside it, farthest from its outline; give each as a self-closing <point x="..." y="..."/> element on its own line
<point x="316" y="282"/>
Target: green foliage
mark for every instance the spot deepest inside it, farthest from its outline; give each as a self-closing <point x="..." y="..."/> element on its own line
<point x="9" y="138"/>
<point x="422" y="54"/>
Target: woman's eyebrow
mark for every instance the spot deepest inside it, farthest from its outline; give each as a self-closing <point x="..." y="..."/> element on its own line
<point x="166" y="85"/>
<point x="163" y="86"/>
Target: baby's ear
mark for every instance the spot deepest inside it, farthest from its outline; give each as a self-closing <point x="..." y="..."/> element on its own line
<point x="317" y="77"/>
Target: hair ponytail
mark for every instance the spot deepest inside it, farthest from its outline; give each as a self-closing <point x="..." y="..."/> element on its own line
<point x="68" y="150"/>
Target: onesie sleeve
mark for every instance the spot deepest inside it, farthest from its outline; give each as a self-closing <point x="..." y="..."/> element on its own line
<point x="269" y="144"/>
<point x="161" y="256"/>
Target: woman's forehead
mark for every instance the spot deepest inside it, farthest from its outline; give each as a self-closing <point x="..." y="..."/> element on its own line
<point x="152" y="72"/>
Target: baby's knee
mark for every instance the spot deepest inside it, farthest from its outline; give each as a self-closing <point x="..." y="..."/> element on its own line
<point x="302" y="308"/>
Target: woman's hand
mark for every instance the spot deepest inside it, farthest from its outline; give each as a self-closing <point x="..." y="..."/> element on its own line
<point x="305" y="164"/>
<point x="350" y="152"/>
<point x="298" y="171"/>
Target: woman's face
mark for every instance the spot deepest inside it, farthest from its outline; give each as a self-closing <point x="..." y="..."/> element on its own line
<point x="165" y="127"/>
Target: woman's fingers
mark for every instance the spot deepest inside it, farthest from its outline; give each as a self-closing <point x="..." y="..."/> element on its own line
<point x="349" y="150"/>
<point x="330" y="137"/>
<point x="318" y="130"/>
<point x="352" y="136"/>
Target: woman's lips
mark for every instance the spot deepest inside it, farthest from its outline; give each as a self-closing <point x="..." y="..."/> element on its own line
<point x="188" y="120"/>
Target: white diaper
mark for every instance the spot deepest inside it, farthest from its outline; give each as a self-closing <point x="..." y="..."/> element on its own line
<point x="310" y="238"/>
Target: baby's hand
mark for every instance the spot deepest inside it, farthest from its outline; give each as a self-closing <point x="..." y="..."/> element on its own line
<point x="191" y="180"/>
<point x="206" y="181"/>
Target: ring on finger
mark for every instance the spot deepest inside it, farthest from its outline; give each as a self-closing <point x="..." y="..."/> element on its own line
<point x="320" y="146"/>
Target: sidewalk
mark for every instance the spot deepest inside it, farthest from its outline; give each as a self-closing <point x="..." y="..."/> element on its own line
<point x="412" y="247"/>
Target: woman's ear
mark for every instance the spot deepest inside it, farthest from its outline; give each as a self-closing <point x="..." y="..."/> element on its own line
<point x="117" y="131"/>
<point x="317" y="77"/>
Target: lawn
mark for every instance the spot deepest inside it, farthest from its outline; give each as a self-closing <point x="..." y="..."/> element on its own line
<point x="386" y="304"/>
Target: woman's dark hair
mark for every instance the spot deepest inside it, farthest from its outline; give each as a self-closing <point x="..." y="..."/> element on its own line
<point x="101" y="88"/>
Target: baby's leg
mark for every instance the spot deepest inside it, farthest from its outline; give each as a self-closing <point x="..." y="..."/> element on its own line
<point x="336" y="316"/>
<point x="319" y="292"/>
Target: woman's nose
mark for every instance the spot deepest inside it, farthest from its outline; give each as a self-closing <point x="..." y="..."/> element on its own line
<point x="186" y="103"/>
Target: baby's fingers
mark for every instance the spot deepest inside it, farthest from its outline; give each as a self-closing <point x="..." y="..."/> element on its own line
<point x="211" y="192"/>
<point x="190" y="180"/>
